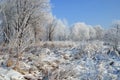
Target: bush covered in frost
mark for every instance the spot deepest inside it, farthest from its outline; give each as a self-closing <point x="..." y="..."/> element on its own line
<point x="83" y="61"/>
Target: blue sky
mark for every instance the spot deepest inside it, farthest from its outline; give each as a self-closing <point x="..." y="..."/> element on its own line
<point x="92" y="12"/>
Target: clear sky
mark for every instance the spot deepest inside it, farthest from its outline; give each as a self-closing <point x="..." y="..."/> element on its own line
<point x="92" y="12"/>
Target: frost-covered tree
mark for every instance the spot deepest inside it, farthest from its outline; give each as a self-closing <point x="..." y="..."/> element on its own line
<point x="22" y="21"/>
<point x="112" y="35"/>
<point x="92" y="33"/>
<point x="50" y="29"/>
<point x="99" y="32"/>
<point x="61" y="30"/>
<point x="18" y="15"/>
<point x="80" y="31"/>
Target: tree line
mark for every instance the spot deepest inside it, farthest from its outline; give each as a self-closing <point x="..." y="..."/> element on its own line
<point x="29" y="21"/>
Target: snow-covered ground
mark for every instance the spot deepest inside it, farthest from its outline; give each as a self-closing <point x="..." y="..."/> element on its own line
<point x="64" y="61"/>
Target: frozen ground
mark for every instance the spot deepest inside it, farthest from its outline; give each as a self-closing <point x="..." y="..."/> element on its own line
<point x="63" y="61"/>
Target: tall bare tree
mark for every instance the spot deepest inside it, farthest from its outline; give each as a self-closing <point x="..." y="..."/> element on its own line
<point x="21" y="21"/>
<point x="50" y="29"/>
<point x="20" y="14"/>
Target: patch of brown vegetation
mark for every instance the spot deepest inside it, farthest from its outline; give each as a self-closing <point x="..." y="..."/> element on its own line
<point x="9" y="62"/>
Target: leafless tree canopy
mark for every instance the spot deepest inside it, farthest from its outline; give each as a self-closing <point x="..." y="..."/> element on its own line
<point x="19" y="15"/>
